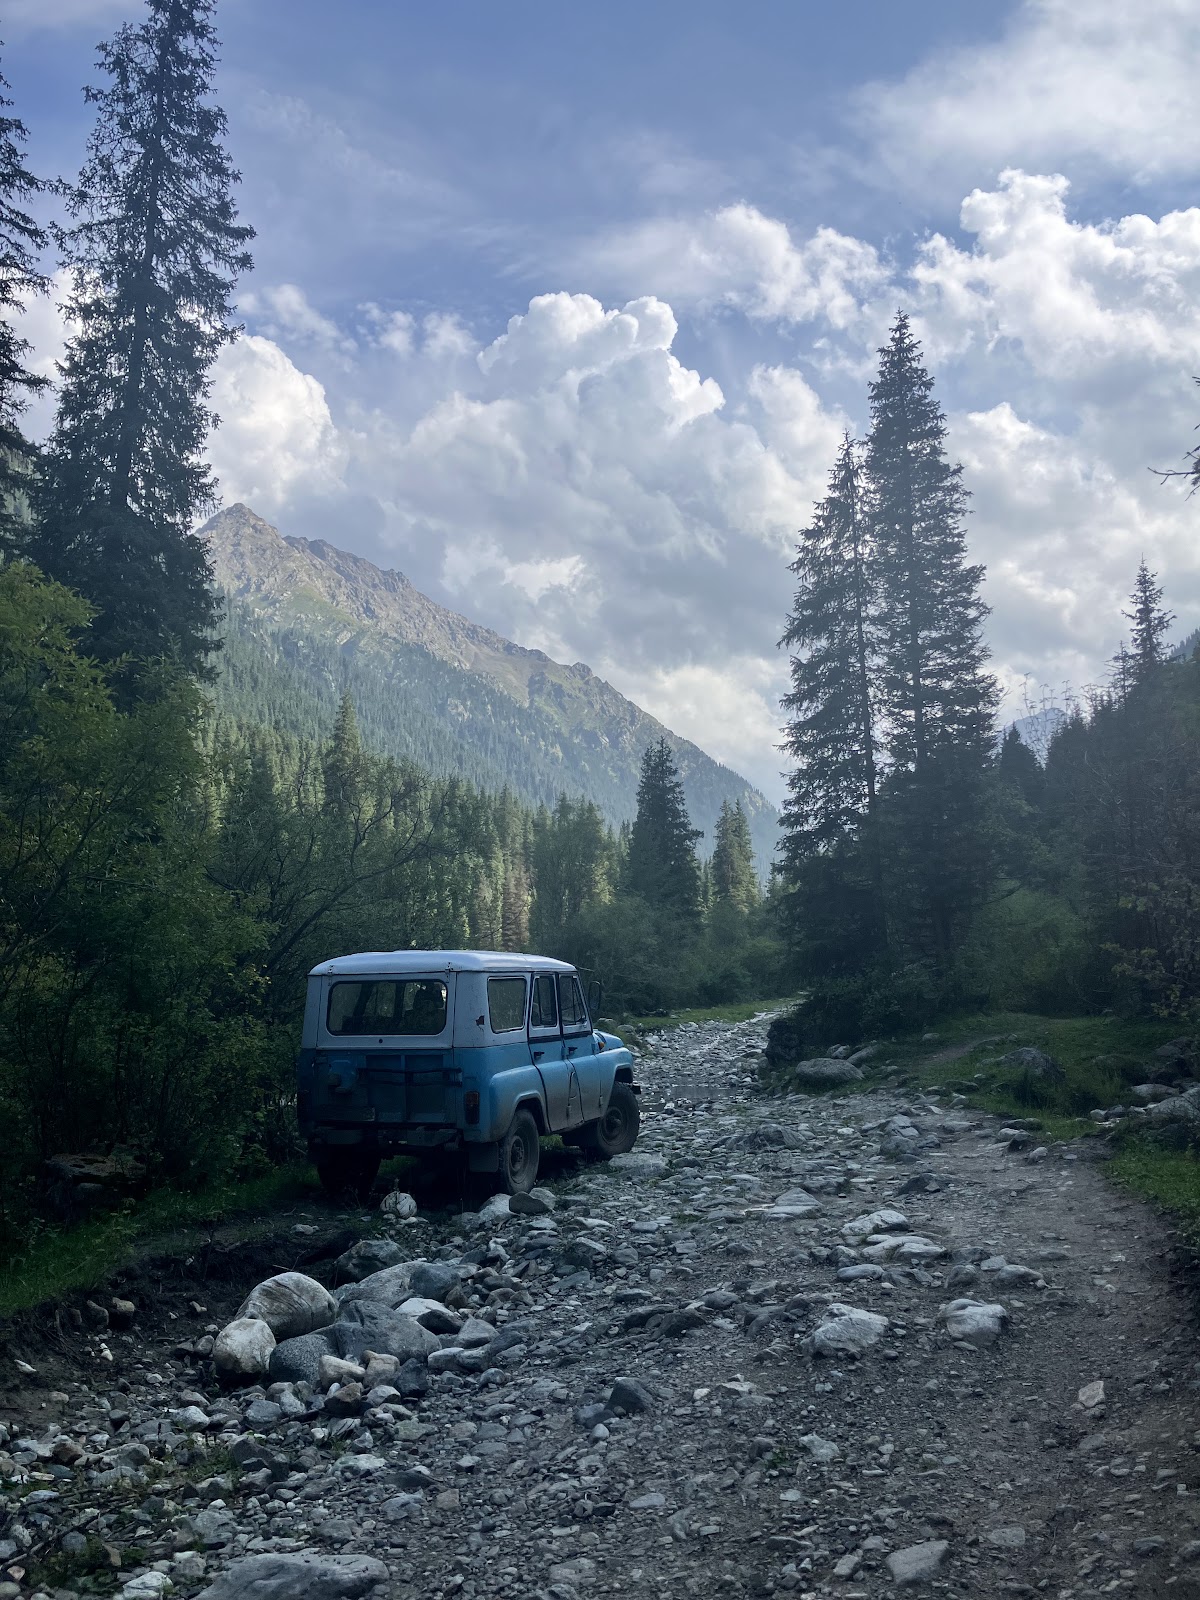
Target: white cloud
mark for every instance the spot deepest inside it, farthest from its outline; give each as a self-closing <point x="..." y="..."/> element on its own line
<point x="277" y="439"/>
<point x="283" y="310"/>
<point x="742" y="259"/>
<point x="1101" y="85"/>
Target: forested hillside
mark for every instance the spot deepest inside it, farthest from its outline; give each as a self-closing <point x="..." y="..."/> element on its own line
<point x="308" y="623"/>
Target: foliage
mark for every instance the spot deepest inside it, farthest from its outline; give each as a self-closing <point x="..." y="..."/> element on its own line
<point x="154" y="252"/>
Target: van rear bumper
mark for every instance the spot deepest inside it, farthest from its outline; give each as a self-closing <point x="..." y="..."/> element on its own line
<point x="392" y="1138"/>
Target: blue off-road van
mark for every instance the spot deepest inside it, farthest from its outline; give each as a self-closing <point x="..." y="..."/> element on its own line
<point x="433" y="1052"/>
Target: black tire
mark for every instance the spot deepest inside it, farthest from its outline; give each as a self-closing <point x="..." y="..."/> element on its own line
<point x="345" y="1174"/>
<point x="617" y="1129"/>
<point x="519" y="1153"/>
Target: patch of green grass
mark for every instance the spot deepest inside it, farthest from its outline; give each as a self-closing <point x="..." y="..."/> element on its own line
<point x="1167" y="1178"/>
<point x="55" y="1261"/>
<point x="1100" y="1058"/>
<point x="736" y="1011"/>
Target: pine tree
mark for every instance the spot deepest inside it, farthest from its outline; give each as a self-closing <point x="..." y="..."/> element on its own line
<point x="937" y="700"/>
<point x="662" y="865"/>
<point x="831" y="732"/>
<point x="734" y="881"/>
<point x="936" y="694"/>
<point x="1020" y="769"/>
<point x="21" y="241"/>
<point x="1151" y="624"/>
<point x="155" y="251"/>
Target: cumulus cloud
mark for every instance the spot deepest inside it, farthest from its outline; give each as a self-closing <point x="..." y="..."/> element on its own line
<point x="740" y="258"/>
<point x="277" y="440"/>
<point x="1093" y="85"/>
<point x="576" y="484"/>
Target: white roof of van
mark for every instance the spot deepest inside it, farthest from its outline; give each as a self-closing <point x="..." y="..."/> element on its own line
<point x="385" y="963"/>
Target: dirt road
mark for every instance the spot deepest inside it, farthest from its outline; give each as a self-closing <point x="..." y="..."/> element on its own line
<point x="721" y="1365"/>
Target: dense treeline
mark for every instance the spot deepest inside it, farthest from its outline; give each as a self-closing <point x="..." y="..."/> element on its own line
<point x="167" y="880"/>
<point x="924" y="868"/>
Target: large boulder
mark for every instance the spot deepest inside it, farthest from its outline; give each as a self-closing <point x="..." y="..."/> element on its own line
<point x="1177" y="1108"/>
<point x="299" y="1360"/>
<point x="974" y="1321"/>
<point x="434" y="1280"/>
<point x="821" y="1072"/>
<point x="366" y="1257"/>
<point x="1036" y="1063"/>
<point x="846" y="1331"/>
<point x="290" y="1304"/>
<point x="387" y="1287"/>
<point x="302" y="1575"/>
<point x="366" y="1325"/>
<point x="243" y="1349"/>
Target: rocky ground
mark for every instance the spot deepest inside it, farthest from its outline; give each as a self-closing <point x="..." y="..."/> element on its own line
<point x="809" y="1346"/>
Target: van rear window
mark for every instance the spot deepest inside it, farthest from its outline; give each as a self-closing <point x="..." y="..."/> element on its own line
<point x="388" y="1005"/>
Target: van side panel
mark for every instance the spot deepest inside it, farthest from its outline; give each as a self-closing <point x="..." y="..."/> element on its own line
<point x="502" y="1075"/>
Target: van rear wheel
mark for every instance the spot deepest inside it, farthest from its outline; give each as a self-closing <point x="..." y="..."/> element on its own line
<point x="519" y="1152"/>
<point x="617" y="1130"/>
<point x="348" y="1173"/>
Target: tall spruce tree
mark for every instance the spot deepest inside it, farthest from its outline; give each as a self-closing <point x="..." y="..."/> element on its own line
<point x="661" y="865"/>
<point x="155" y="252"/>
<point x="22" y="240"/>
<point x="937" y="699"/>
<point x="733" y="878"/>
<point x="1151" y="623"/>
<point x="936" y="694"/>
<point x="830" y="734"/>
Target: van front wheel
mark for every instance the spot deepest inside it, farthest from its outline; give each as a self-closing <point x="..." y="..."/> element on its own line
<point x="617" y="1129"/>
<point x="519" y="1150"/>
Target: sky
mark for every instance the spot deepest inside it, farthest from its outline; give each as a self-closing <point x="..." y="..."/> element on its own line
<point x="563" y="311"/>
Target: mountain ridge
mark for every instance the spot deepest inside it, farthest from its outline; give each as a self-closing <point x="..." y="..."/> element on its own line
<point x="307" y="621"/>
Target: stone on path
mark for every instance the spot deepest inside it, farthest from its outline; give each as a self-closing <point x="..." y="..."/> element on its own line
<point x="303" y="1575"/>
<point x="885" y="1220"/>
<point x="243" y="1349"/>
<point x="846" y="1331"/>
<point x="290" y="1304"/>
<point x="398" y="1205"/>
<point x="974" y="1321"/>
<point x="1092" y="1394"/>
<point x="1010" y="1538"/>
<point x="917" y="1563"/>
<point x="822" y="1072"/>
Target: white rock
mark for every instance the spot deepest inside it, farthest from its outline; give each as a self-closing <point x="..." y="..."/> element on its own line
<point x="474" y="1334"/>
<point x="496" y="1209"/>
<point x="846" y="1331"/>
<point x="1092" y="1394"/>
<point x="431" y="1314"/>
<point x="975" y="1321"/>
<point x="243" y="1348"/>
<point x="398" y="1205"/>
<point x="1010" y="1538"/>
<point x="147" y="1586"/>
<point x="189" y="1417"/>
<point x="639" y="1164"/>
<point x="884" y="1221"/>
<point x="334" y="1370"/>
<point x="822" y="1450"/>
<point x="918" y="1563"/>
<point x="290" y="1304"/>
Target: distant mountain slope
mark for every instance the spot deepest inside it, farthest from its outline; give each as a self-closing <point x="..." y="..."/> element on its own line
<point x="308" y="622"/>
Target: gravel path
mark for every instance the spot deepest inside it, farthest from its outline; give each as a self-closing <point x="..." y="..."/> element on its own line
<point x="720" y="1365"/>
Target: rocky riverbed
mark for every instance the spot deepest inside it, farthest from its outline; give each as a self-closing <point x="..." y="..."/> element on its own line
<point x="810" y="1345"/>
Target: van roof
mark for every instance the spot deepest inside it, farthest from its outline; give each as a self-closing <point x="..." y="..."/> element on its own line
<point x="386" y="962"/>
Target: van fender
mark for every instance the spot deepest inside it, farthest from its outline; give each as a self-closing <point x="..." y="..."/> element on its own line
<point x="620" y="1070"/>
<point x="507" y="1092"/>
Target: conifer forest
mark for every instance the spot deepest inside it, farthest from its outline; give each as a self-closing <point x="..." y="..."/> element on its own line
<point x="173" y="862"/>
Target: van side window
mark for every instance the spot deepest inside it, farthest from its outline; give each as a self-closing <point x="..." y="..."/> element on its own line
<point x="570" y="1002"/>
<point x="544" y="1013"/>
<point x="506" y="1004"/>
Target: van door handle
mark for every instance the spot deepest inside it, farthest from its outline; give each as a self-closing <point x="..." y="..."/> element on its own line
<point x="538" y="1054"/>
<point x="571" y="1049"/>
